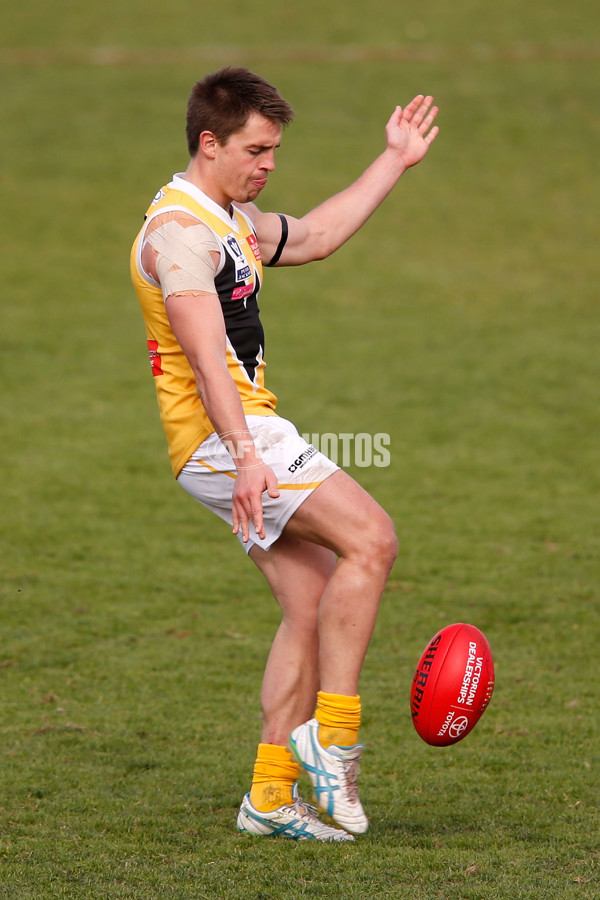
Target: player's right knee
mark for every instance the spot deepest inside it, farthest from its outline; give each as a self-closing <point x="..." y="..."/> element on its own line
<point x="387" y="545"/>
<point x="378" y="547"/>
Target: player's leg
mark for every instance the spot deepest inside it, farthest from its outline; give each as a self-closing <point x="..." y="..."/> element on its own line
<point x="336" y="602"/>
<point x="343" y="517"/>
<point x="297" y="573"/>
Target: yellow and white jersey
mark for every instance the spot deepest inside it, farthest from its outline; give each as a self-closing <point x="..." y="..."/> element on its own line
<point x="237" y="283"/>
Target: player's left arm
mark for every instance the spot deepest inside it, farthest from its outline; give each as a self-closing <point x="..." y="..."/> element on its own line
<point x="409" y="134"/>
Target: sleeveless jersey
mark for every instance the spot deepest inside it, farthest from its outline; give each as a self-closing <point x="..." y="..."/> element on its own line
<point x="237" y="284"/>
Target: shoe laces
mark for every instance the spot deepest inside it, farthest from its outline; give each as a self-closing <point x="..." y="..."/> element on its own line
<point x="304" y="810"/>
<point x="351" y="773"/>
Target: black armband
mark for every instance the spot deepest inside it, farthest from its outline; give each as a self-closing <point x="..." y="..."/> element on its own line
<point x="282" y="241"/>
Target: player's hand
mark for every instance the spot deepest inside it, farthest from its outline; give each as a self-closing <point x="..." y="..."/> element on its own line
<point x="251" y="482"/>
<point x="410" y="130"/>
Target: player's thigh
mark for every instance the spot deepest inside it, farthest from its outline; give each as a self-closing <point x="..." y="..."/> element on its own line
<point x="297" y="572"/>
<point x="342" y="515"/>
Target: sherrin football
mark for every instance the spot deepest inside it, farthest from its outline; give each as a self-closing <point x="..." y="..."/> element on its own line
<point x="453" y="684"/>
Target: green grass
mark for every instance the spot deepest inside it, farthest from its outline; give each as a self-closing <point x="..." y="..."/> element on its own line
<point x="463" y="321"/>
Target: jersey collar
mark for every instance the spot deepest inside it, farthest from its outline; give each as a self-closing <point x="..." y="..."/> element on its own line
<point x="180" y="183"/>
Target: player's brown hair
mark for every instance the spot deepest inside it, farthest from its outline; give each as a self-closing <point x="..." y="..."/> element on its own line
<point x="222" y="101"/>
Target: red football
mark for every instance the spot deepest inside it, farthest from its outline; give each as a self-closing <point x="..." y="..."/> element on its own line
<point x="453" y="684"/>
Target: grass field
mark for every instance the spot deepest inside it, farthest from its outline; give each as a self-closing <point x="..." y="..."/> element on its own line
<point x="463" y="321"/>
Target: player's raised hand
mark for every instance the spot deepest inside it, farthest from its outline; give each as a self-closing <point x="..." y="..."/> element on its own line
<point x="410" y="130"/>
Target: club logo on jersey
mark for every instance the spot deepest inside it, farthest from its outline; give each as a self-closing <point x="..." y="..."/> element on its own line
<point x="254" y="246"/>
<point x="234" y="247"/>
<point x="242" y="269"/>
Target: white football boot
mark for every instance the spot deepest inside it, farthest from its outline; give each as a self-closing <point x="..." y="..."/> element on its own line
<point x="333" y="773"/>
<point x="298" y="821"/>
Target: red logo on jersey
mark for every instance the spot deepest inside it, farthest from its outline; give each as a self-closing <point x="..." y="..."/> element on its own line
<point x="244" y="290"/>
<point x="254" y="246"/>
<point x="155" y="359"/>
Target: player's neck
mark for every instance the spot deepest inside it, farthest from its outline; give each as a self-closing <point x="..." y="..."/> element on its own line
<point x="202" y="180"/>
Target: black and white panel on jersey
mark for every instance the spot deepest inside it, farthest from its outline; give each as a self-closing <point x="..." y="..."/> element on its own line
<point x="242" y="321"/>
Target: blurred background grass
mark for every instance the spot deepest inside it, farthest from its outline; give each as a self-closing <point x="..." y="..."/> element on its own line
<point x="463" y="321"/>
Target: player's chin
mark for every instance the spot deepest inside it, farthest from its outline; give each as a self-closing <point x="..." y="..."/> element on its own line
<point x="246" y="196"/>
<point x="256" y="187"/>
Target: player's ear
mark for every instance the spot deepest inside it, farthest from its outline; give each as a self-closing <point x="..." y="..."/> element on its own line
<point x="207" y="144"/>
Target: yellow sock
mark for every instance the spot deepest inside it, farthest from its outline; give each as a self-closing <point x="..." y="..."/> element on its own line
<point x="339" y="719"/>
<point x="275" y="772"/>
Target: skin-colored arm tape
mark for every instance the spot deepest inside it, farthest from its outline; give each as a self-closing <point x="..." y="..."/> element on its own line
<point x="183" y="260"/>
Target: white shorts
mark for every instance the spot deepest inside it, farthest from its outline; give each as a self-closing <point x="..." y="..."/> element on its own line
<point x="209" y="475"/>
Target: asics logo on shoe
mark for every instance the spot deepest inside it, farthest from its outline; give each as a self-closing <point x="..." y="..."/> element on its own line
<point x="333" y="772"/>
<point x="298" y="821"/>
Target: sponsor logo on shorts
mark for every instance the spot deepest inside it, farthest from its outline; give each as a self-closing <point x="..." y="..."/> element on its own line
<point x="302" y="459"/>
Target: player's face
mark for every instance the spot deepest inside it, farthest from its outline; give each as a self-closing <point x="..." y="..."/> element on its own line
<point x="244" y="162"/>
